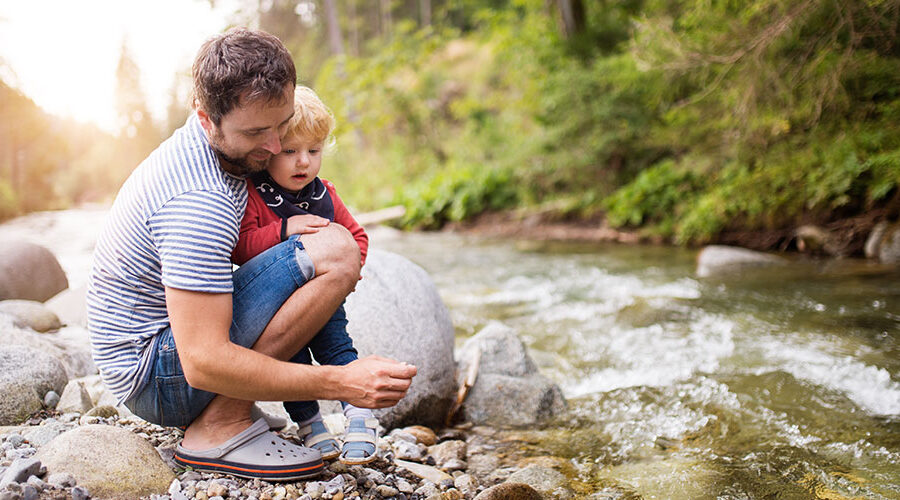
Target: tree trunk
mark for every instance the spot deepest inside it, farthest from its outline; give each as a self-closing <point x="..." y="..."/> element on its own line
<point x="335" y="43"/>
<point x="425" y="13"/>
<point x="571" y="13"/>
<point x="387" y="20"/>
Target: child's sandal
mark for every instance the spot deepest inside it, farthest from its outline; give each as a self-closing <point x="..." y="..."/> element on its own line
<point x="360" y="442"/>
<point x="316" y="436"/>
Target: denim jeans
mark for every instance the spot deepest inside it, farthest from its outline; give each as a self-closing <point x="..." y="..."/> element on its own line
<point x="261" y="287"/>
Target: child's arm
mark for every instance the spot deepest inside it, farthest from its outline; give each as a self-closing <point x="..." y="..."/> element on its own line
<point x="260" y="229"/>
<point x="343" y="217"/>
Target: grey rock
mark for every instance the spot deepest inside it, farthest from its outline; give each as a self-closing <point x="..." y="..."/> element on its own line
<point x="42" y="434"/>
<point x="110" y="461"/>
<point x="80" y="493"/>
<point x="334" y="485"/>
<point x="816" y="240"/>
<point x="454" y="464"/>
<point x="61" y="480"/>
<point x="509" y="491"/>
<point x="548" y="482"/>
<point x="51" y="399"/>
<point x="9" y="495"/>
<point x="29" y="492"/>
<point x="466" y="484"/>
<point x="482" y="465"/>
<point x="396" y="312"/>
<point x="23" y="452"/>
<point x="427" y="490"/>
<point x="719" y="259"/>
<point x="889" y="250"/>
<point x="37" y="483"/>
<point x="20" y="470"/>
<point x="175" y="487"/>
<point x="190" y="476"/>
<point x="409" y="451"/>
<point x="873" y="242"/>
<point x="29" y="271"/>
<point x="398" y="434"/>
<point x="15" y="439"/>
<point x="386" y="491"/>
<point x="30" y="314"/>
<point x="75" y="398"/>
<point x="403" y="486"/>
<point x="315" y="489"/>
<point x="70" y="346"/>
<point x="25" y="376"/>
<point x="508" y="391"/>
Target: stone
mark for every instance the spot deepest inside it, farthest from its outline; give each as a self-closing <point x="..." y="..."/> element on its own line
<point x="75" y="398"/>
<point x="80" y="493"/>
<point x="889" y="250"/>
<point x="873" y="242"/>
<point x="422" y="434"/>
<point x="111" y="462"/>
<point x="509" y="491"/>
<point x="508" y="391"/>
<point x="427" y="490"/>
<point x="548" y="482"/>
<point x="216" y="490"/>
<point x="817" y="241"/>
<point x="29" y="272"/>
<point x="30" y="314"/>
<point x="386" y="491"/>
<point x="448" y="450"/>
<point x="718" y="259"/>
<point x="29" y="492"/>
<point x="42" y="434"/>
<point x="423" y="471"/>
<point x="61" y="480"/>
<point x="454" y="464"/>
<point x="409" y="451"/>
<point x="70" y="306"/>
<point x="26" y="375"/>
<point x="466" y="484"/>
<point x="51" y="399"/>
<point x="70" y="346"/>
<point x="482" y="465"/>
<point x="103" y="411"/>
<point x="396" y="312"/>
<point x="20" y="470"/>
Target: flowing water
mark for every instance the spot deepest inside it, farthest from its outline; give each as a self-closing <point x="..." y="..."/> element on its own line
<point x="775" y="383"/>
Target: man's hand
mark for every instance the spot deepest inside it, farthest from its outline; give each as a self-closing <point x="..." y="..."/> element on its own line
<point x="305" y="224"/>
<point x="377" y="382"/>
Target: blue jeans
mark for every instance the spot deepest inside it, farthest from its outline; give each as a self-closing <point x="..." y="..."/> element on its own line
<point x="261" y="287"/>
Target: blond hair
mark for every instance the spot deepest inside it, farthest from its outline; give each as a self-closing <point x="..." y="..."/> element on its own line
<point x="312" y="119"/>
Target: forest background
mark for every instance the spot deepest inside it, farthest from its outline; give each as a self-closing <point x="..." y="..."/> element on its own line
<point x="691" y="121"/>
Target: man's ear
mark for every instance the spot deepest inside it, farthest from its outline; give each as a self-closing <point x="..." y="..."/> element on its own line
<point x="205" y="121"/>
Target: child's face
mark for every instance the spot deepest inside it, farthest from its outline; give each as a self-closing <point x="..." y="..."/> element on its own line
<point x="297" y="164"/>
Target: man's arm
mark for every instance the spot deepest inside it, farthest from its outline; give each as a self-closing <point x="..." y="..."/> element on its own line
<point x="211" y="362"/>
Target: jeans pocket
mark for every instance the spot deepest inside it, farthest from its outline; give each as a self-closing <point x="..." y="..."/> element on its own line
<point x="173" y="401"/>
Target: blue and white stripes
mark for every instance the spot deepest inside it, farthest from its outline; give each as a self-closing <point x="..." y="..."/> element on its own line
<point x="174" y="223"/>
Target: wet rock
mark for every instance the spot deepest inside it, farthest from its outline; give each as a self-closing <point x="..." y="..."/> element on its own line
<point x="548" y="482"/>
<point x="109" y="461"/>
<point x="509" y="491"/>
<point x="29" y="272"/>
<point x="889" y="249"/>
<point x="75" y="398"/>
<point x="873" y="242"/>
<point x="30" y="314"/>
<point x="396" y="312"/>
<point x="25" y="376"/>
<point x="508" y="391"/>
<point x="719" y="259"/>
<point x="423" y="434"/>
<point x="665" y="478"/>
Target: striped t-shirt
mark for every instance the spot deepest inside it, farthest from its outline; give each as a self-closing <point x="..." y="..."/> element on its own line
<point x="174" y="223"/>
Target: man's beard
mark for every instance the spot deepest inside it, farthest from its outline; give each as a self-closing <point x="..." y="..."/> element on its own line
<point x="241" y="167"/>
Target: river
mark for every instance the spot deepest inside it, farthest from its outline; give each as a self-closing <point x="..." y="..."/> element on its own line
<point x="776" y="383"/>
<point x="773" y="383"/>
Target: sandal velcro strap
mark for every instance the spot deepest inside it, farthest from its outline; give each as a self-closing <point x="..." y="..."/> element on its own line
<point x="356" y="437"/>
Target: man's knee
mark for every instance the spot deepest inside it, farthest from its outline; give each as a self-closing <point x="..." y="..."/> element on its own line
<point x="333" y="250"/>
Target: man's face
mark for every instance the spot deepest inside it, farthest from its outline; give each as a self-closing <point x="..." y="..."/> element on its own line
<point x="248" y="136"/>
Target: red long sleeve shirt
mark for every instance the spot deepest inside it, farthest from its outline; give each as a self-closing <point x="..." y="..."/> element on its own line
<point x="261" y="227"/>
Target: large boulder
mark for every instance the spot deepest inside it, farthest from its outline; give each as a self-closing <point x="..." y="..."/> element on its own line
<point x="29" y="271"/>
<point x="508" y="391"/>
<point x="889" y="246"/>
<point x="30" y="314"/>
<point x="69" y="345"/>
<point x="717" y="259"/>
<point x="396" y="312"/>
<point x="111" y="462"/>
<point x="26" y="375"/>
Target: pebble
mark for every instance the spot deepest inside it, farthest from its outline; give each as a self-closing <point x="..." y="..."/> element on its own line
<point x="409" y="451"/>
<point x="454" y="464"/>
<point x="386" y="491"/>
<point x="15" y="439"/>
<point x="51" y="399"/>
<point x="400" y="435"/>
<point x="216" y="490"/>
<point x="80" y="493"/>
<point x="20" y="469"/>
<point x="29" y="492"/>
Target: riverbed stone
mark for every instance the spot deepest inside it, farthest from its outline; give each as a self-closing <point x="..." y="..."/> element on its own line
<point x="509" y="391"/>
<point x="20" y="470"/>
<point x="889" y="248"/>
<point x="70" y="346"/>
<point x="26" y="375"/>
<point x="816" y="240"/>
<point x="426" y="472"/>
<point x="719" y="259"/>
<point x="548" y="482"/>
<point x="75" y="398"/>
<point x="509" y="491"/>
<point x="423" y="434"/>
<point x="29" y="271"/>
<point x="396" y="312"/>
<point x="111" y="462"/>
<point x="873" y="242"/>
<point x="30" y="314"/>
<point x="447" y="451"/>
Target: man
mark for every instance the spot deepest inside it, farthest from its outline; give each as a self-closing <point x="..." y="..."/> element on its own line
<point x="181" y="340"/>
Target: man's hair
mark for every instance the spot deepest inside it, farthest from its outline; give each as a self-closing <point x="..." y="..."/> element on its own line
<point x="237" y="67"/>
<point x="312" y="119"/>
